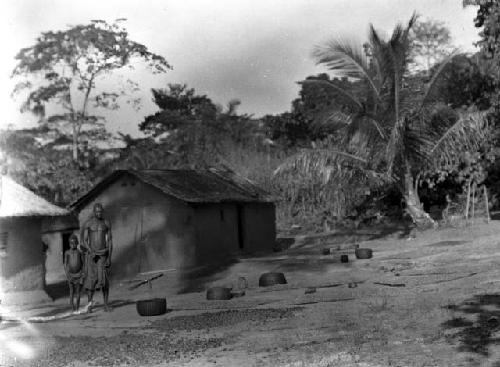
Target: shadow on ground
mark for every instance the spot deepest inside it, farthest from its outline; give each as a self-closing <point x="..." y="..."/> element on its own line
<point x="311" y="265"/>
<point x="58" y="290"/>
<point x="197" y="281"/>
<point x="447" y="243"/>
<point x="113" y="304"/>
<point x="344" y="236"/>
<point x="476" y="323"/>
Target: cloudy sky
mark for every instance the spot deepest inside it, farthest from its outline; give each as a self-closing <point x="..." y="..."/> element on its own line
<point x="254" y="50"/>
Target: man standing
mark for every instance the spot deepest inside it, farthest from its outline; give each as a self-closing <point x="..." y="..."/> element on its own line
<point x="98" y="246"/>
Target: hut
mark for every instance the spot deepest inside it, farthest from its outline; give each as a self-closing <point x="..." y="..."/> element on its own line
<point x="181" y="219"/>
<point x="22" y="253"/>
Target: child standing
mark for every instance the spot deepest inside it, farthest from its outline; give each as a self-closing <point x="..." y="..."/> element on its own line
<point x="73" y="267"/>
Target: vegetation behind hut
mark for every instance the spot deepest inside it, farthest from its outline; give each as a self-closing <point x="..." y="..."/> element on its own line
<point x="339" y="156"/>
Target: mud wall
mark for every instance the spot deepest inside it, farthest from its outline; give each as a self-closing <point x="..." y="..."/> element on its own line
<point x="216" y="232"/>
<point x="22" y="261"/>
<point x="150" y="230"/>
<point x="259" y="226"/>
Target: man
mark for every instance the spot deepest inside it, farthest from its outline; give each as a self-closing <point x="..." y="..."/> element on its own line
<point x="98" y="246"/>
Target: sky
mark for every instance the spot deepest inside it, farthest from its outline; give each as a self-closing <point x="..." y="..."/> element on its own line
<point x="253" y="50"/>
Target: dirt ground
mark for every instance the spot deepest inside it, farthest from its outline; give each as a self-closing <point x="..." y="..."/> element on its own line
<point x="429" y="301"/>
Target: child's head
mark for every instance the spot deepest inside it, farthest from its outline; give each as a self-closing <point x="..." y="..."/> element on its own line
<point x="73" y="241"/>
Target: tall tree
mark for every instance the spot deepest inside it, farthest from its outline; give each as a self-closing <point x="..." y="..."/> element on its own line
<point x="180" y="106"/>
<point x="488" y="19"/>
<point x="63" y="70"/>
<point x="186" y="126"/>
<point x="193" y="129"/>
<point x="315" y="104"/>
<point x="395" y="130"/>
<point x="431" y="43"/>
<point x="467" y="81"/>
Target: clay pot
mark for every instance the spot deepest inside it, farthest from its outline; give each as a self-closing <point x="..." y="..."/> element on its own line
<point x="219" y="293"/>
<point x="363" y="253"/>
<point x="310" y="290"/>
<point x="268" y="279"/>
<point x="152" y="307"/>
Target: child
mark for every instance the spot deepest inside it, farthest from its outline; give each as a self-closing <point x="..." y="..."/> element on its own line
<point x="73" y="266"/>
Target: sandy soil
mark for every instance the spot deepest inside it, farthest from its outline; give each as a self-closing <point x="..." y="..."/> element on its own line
<point x="429" y="301"/>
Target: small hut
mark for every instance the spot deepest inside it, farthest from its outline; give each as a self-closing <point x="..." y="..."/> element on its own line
<point x="22" y="253"/>
<point x="180" y="218"/>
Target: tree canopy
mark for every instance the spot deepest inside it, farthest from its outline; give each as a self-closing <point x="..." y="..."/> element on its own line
<point x="393" y="126"/>
<point x="62" y="70"/>
<point x="431" y="43"/>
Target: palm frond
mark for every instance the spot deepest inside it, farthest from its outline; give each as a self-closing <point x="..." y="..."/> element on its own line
<point x="372" y="121"/>
<point x="391" y="55"/>
<point x="377" y="45"/>
<point x="315" y="159"/>
<point x="345" y="58"/>
<point x="468" y="133"/>
<point x="330" y="167"/>
<point x="363" y="134"/>
<point x="411" y="23"/>
<point x="332" y="120"/>
<point x="438" y="136"/>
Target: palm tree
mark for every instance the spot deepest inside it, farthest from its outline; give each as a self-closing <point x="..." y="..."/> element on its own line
<point x="394" y="127"/>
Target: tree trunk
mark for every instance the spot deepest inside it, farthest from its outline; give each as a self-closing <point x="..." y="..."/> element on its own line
<point x="486" y="202"/>
<point x="467" y="203"/>
<point x="75" y="143"/>
<point x="414" y="207"/>
<point x="474" y="186"/>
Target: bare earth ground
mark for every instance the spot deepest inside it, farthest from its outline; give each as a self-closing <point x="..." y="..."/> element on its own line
<point x="439" y="305"/>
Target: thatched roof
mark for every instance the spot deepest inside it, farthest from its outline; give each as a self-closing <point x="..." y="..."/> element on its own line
<point x="18" y="201"/>
<point x="192" y="186"/>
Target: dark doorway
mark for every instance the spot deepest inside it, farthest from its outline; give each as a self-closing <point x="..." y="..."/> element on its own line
<point x="65" y="242"/>
<point x="241" y="233"/>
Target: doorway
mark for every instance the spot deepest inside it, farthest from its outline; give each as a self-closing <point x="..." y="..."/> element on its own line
<point x="241" y="229"/>
<point x="65" y="242"/>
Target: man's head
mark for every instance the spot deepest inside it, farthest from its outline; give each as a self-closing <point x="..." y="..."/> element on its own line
<point x="73" y="241"/>
<point x="98" y="210"/>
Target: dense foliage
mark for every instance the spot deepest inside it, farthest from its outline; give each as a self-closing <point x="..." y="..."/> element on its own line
<point x="354" y="144"/>
<point x="60" y="75"/>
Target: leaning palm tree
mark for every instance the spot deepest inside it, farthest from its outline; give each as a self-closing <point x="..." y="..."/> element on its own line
<point x="393" y="126"/>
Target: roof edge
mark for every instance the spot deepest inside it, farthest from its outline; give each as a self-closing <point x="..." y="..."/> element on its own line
<point x="97" y="188"/>
<point x="233" y="178"/>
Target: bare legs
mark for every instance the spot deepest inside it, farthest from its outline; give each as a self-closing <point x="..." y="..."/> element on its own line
<point x="74" y="289"/>
<point x="98" y="278"/>
<point x="105" y="297"/>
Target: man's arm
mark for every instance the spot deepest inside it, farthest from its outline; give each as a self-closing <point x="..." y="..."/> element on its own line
<point x="109" y="242"/>
<point x="85" y="238"/>
<point x="66" y="254"/>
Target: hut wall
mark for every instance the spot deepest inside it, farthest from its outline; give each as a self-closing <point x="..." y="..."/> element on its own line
<point x="22" y="260"/>
<point x="54" y="261"/>
<point x="151" y="231"/>
<point x="216" y="232"/>
<point x="259" y="226"/>
<point x="53" y="230"/>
